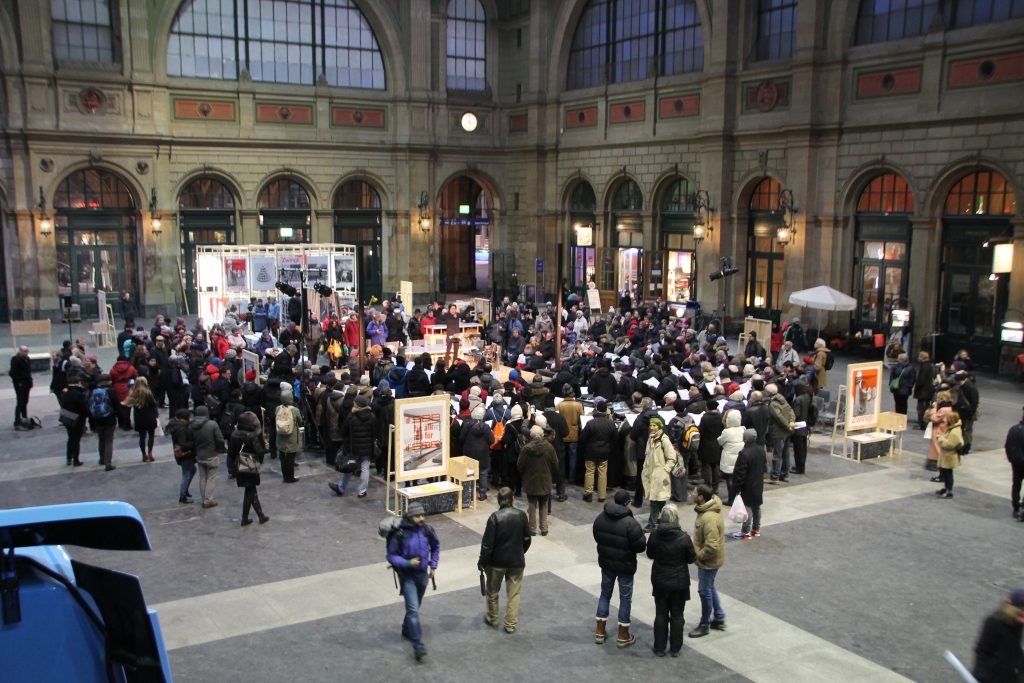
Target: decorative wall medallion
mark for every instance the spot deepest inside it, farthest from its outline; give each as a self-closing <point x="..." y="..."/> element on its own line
<point x="205" y="109"/>
<point x="357" y="116"/>
<point x="767" y="96"/>
<point x="46" y="164"/>
<point x="285" y="113"/>
<point x="92" y="100"/>
<point x="142" y="167"/>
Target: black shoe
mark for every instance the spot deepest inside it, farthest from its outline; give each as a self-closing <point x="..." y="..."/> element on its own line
<point x="421" y="654"/>
<point x="588" y="497"/>
<point x="291" y="481"/>
<point x="658" y="653"/>
<point x="784" y="477"/>
<point x="936" y="479"/>
<point x="796" y="471"/>
<point x="940" y="493"/>
<point x="674" y="653"/>
<point x="246" y="522"/>
<point x="701" y="631"/>
<point x="947" y="494"/>
<point x="67" y="464"/>
<point x="264" y="519"/>
<point x="334" y="487"/>
<point x="76" y="463"/>
<point x="543" y="532"/>
<point x="183" y="500"/>
<point x="718" y="625"/>
<point x="108" y="468"/>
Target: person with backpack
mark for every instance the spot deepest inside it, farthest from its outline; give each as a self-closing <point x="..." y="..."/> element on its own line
<point x="183" y="443"/>
<point x="103" y="419"/>
<point x="414" y="552"/>
<point x="74" y="403"/>
<point x="685" y="436"/>
<point x="598" y="441"/>
<point x="503" y="550"/>
<point x="823" y="362"/>
<point x="287" y="421"/>
<point x="144" y="408"/>
<point x="247" y="442"/>
<point x="358" y="433"/>
<point x="208" y="445"/>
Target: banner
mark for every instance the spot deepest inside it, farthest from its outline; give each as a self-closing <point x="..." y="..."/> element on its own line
<point x="264" y="272"/>
<point x="289" y="267"/>
<point x="345" y="271"/>
<point x="236" y="274"/>
<point x="317" y="269"/>
<point x="863" y="395"/>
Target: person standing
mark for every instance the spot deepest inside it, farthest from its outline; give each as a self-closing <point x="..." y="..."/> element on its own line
<point x="709" y="452"/>
<point x="998" y="657"/>
<point x="672" y="550"/>
<point x="21" y="378"/>
<point x="801" y="411"/>
<point x="538" y="468"/>
<point x="731" y="441"/>
<point x="901" y="382"/>
<point x="414" y="552"/>
<point x="476" y="439"/>
<point x="709" y="541"/>
<point x="598" y="440"/>
<point x="619" y="540"/>
<point x="503" y="557"/>
<point x="184" y="443"/>
<point x="657" y="473"/>
<point x="748" y="482"/>
<point x="821" y="361"/>
<point x="141" y="400"/>
<point x="1014" y="447"/>
<point x="287" y="421"/>
<point x="924" y="385"/>
<point x="248" y="437"/>
<point x="103" y="420"/>
<point x="128" y="309"/>
<point x="453" y="332"/>
<point x="950" y="445"/>
<point x="122" y="377"/>
<point x="780" y="428"/>
<point x="966" y="405"/>
<point x="73" y="398"/>
<point x="358" y="431"/>
<point x="572" y="411"/>
<point x="208" y="444"/>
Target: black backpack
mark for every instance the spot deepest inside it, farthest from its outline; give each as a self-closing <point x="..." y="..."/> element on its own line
<point x="812" y="415"/>
<point x="830" y="360"/>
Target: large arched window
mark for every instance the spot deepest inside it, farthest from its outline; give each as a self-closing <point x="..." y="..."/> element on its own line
<point x="765" y="264"/>
<point x="277" y="41"/>
<point x="964" y="13"/>
<point x="631" y="40"/>
<point x="357" y="221"/>
<point x="626" y="228"/>
<point x="467" y="45"/>
<point x="882" y="251"/>
<point x="776" y="29"/>
<point x="284" y="212"/>
<point x="981" y="193"/>
<point x="206" y="216"/>
<point x="582" y="218"/>
<point x="83" y="30"/>
<point x="886" y="193"/>
<point x="882" y="20"/>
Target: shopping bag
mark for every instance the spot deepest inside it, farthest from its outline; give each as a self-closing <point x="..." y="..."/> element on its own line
<point x="928" y="432"/>
<point x="738" y="511"/>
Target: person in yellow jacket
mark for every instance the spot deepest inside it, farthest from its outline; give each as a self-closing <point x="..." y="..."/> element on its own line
<point x="657" y="472"/>
<point x="709" y="541"/>
<point x="949" y="445"/>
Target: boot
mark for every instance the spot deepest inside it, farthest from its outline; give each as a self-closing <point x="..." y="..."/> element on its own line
<point x="259" y="510"/>
<point x="599" y="634"/>
<point x="625" y="638"/>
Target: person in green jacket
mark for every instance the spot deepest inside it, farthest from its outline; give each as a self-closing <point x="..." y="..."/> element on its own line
<point x="709" y="541"/>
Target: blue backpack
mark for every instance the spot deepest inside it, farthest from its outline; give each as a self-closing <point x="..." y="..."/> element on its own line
<point x="99" y="404"/>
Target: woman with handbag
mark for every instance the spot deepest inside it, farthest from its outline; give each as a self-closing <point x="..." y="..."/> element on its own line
<point x="246" y="446"/>
<point x="144" y="409"/>
<point x="950" y="443"/>
<point x="74" y="404"/>
<point x="936" y="416"/>
<point x="659" y="462"/>
<point x="183" y="444"/>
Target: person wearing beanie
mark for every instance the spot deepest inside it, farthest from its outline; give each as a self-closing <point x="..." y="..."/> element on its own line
<point x="287" y="421"/>
<point x="248" y="437"/>
<point x="748" y="482"/>
<point x="358" y="440"/>
<point x="659" y="462"/>
<point x="475" y="439"/>
<point x="598" y="442"/>
<point x="997" y="654"/>
<point x="538" y="467"/>
<point x="414" y="552"/>
<point x="709" y="542"/>
<point x="619" y="540"/>
<point x="572" y="411"/>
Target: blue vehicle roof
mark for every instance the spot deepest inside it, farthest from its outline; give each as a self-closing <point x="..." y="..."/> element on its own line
<point x="104" y="525"/>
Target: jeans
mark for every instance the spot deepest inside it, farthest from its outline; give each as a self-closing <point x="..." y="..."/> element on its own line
<point x="668" y="611"/>
<point x="513" y="585"/>
<point x="709" y="605"/>
<point x="188" y="471"/>
<point x="535" y="502"/>
<point x="753" y="517"/>
<point x="602" y="478"/>
<point x="413" y="588"/>
<point x="780" y="457"/>
<point x="482" y="484"/>
<point x="364" y="476"/>
<point x="608" y="580"/>
<point x="570" y="454"/>
<point x="106" y="443"/>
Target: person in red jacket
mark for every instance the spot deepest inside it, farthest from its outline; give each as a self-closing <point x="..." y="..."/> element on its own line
<point x="122" y="376"/>
<point x="352" y="331"/>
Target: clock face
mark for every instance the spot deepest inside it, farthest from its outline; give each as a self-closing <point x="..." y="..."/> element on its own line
<point x="469" y="122"/>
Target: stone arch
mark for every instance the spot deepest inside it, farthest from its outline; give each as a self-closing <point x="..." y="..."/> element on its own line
<point x="139" y="194"/>
<point x="612" y="185"/>
<point x="366" y="176"/>
<point x="217" y="174"/>
<point x="749" y="182"/>
<point x="381" y="17"/>
<point x="570" y="186"/>
<point x="944" y="180"/>
<point x="290" y="174"/>
<point x="485" y="181"/>
<point x="859" y="179"/>
<point x="663" y="183"/>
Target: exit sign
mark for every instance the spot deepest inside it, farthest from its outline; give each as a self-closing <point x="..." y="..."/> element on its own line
<point x="464" y="209"/>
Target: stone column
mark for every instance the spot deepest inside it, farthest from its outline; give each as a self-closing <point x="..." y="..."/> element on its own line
<point x="924" y="278"/>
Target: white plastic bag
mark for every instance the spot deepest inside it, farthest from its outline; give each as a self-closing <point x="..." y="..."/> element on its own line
<point x="928" y="432"/>
<point x="738" y="511"/>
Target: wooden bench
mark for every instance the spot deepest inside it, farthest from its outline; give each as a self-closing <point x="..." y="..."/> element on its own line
<point x="33" y="328"/>
<point x="459" y="483"/>
<point x="858" y="441"/>
<point x="895" y="424"/>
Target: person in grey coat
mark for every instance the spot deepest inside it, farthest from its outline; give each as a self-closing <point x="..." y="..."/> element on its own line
<point x="209" y="443"/>
<point x="288" y="445"/>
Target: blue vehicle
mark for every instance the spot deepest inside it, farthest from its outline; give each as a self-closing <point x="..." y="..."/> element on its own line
<point x="64" y="620"/>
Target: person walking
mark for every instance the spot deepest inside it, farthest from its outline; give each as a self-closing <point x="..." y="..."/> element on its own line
<point x="122" y="377"/>
<point x="619" y="540"/>
<point x="248" y="438"/>
<point x="709" y="541"/>
<point x="144" y="416"/>
<point x="950" y="445"/>
<point x="74" y="399"/>
<point x="414" y="552"/>
<point x="21" y="377"/>
<point x="357" y="437"/>
<point x="821" y="363"/>
<point x="103" y="420"/>
<point x="657" y="473"/>
<point x="538" y="468"/>
<point x="598" y="440"/>
<point x="183" y="442"/>
<point x="672" y="551"/>
<point x="748" y="482"/>
<point x="208" y="444"/>
<point x="1014" y="447"/>
<point x="901" y="382"/>
<point x="998" y="657"/>
<point x="503" y="557"/>
<point x="287" y="419"/>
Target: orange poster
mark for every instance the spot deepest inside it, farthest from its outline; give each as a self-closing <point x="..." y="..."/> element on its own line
<point x="863" y="395"/>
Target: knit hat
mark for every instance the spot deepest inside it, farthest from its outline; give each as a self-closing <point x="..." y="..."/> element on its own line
<point x="1016" y="598"/>
<point x="230" y="354"/>
<point x="600" y="405"/>
<point x="414" y="510"/>
<point x="474" y="391"/>
<point x="567" y="390"/>
<point x="736" y="396"/>
<point x="478" y="413"/>
<point x="622" y="497"/>
<point x="657" y="422"/>
<point x="517" y="412"/>
<point x="362" y="401"/>
<point x="364" y="380"/>
<point x="215" y="361"/>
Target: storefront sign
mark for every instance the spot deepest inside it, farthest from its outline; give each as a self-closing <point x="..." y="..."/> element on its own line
<point x="464" y="222"/>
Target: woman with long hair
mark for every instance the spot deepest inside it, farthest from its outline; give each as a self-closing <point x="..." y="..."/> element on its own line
<point x="141" y="400"/>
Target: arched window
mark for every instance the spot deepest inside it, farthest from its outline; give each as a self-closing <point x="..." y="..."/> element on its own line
<point x="206" y="193"/>
<point x="284" y="194"/>
<point x="677" y="197"/>
<point x="627" y="197"/>
<point x="83" y="30"/>
<point x="467" y="45"/>
<point x="776" y="29"/>
<point x="582" y="217"/>
<point x="626" y="228"/>
<point x="284" y="212"/>
<point x="765" y="254"/>
<point x="886" y="193"/>
<point x="765" y="196"/>
<point x="882" y="20"/>
<point x="582" y="197"/>
<point x="206" y="216"/>
<point x="357" y="221"/>
<point x="981" y="193"/>
<point x="676" y="220"/>
<point x="964" y="13"/>
<point x="278" y="41"/>
<point x="631" y="40"/>
<point x="357" y="195"/>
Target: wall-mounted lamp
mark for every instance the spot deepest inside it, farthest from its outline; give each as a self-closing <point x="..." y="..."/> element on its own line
<point x="703" y="228"/>
<point x="786" y="232"/>
<point x="44" y="220"/>
<point x="424" y="209"/>
<point x="154" y="217"/>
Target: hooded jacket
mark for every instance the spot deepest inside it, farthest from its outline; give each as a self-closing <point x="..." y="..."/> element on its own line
<point x="538" y="466"/>
<point x="208" y="439"/>
<point x="731" y="441"/>
<point x="672" y="550"/>
<point x="709" y="534"/>
<point x="619" y="539"/>
<point x="247" y="435"/>
<point x="289" y="443"/>
<point x="476" y="438"/>
<point x="357" y="433"/>
<point x="122" y="372"/>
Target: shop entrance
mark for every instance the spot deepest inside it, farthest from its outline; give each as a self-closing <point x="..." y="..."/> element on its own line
<point x="357" y="221"/>
<point x="206" y="211"/>
<point x="465" y="249"/>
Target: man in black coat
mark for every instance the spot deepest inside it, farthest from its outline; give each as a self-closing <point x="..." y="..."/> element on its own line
<point x="619" y="540"/>
<point x="998" y="657"/>
<point x="598" y="440"/>
<point x="757" y="417"/>
<point x="602" y="383"/>
<point x="710" y="452"/>
<point x="924" y="385"/>
<point x="967" y="406"/>
<point x="128" y="309"/>
<point x="748" y="481"/>
<point x="1015" y="454"/>
<point x="503" y="556"/>
<point x="21" y="377"/>
<point x="557" y="422"/>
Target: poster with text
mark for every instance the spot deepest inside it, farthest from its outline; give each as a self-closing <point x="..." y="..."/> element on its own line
<point x="318" y="269"/>
<point x="345" y="271"/>
<point x="863" y="395"/>
<point x="235" y="274"/>
<point x="264" y="272"/>
<point x="289" y="268"/>
<point x="421" y="437"/>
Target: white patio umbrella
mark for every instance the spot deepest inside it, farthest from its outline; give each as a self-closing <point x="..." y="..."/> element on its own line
<point x="823" y="298"/>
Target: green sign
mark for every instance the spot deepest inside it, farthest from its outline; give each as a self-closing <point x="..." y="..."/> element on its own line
<point x="464" y="209"/>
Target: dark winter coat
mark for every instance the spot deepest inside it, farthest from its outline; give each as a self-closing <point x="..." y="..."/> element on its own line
<point x="671" y="548"/>
<point x="506" y="539"/>
<point x="757" y="417"/>
<point x="711" y="427"/>
<point x="538" y="466"/>
<point x="905" y="371"/>
<point x="619" y="539"/>
<point x="21" y="371"/>
<point x="748" y="475"/>
<point x="416" y="382"/>
<point x="476" y="439"/>
<point x="76" y="399"/>
<point x="208" y="439"/>
<point x="144" y="417"/>
<point x="358" y="433"/>
<point x="599" y="439"/>
<point x="602" y="384"/>
<point x="924" y="381"/>
<point x="998" y="655"/>
<point x="247" y="435"/>
<point x="1014" y="443"/>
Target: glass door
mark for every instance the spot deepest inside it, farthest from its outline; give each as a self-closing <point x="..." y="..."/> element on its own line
<point x="970" y="314"/>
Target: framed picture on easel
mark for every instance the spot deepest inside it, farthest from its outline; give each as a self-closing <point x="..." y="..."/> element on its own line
<point x="422" y="436"/>
<point x="863" y="395"/>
